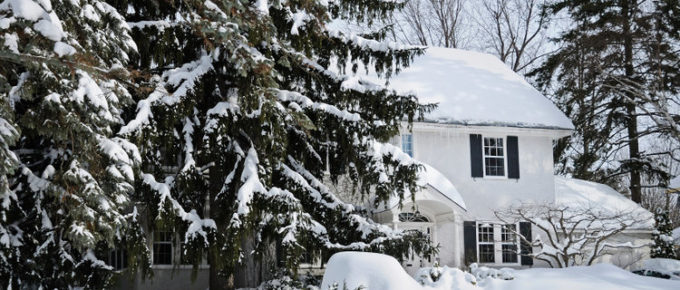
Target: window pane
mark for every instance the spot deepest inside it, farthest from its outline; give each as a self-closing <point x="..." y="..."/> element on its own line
<point x="485" y="233"/>
<point x="486" y="254"/>
<point x="509" y="253"/>
<point x="407" y="144"/>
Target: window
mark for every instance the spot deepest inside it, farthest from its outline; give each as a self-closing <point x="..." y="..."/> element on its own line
<point x="118" y="259"/>
<point x="413" y="217"/>
<point x="494" y="157"/>
<point x="162" y="248"/>
<point x="486" y="243"/>
<point x="491" y="237"/>
<point x="509" y="243"/>
<point x="407" y="144"/>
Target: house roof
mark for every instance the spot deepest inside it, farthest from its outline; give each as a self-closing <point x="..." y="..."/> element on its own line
<point x="577" y="192"/>
<point x="474" y="88"/>
<point x="431" y="177"/>
<point x="438" y="181"/>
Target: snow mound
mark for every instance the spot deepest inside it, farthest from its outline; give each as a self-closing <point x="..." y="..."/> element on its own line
<point x="351" y="270"/>
<point x="596" y="277"/>
<point x="575" y="192"/>
<point x="474" y="88"/>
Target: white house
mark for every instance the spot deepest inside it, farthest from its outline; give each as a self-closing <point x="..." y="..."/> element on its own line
<point x="489" y="144"/>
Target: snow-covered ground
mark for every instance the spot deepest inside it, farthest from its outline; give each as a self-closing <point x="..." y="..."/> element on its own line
<point x="380" y="272"/>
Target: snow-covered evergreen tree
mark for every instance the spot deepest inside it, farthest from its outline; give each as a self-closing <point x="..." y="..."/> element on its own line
<point x="663" y="236"/>
<point x="65" y="186"/>
<point x="249" y="105"/>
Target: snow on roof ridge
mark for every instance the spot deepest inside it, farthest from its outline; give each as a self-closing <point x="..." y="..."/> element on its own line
<point x="475" y="88"/>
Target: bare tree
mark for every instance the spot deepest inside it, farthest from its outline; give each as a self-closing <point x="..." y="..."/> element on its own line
<point x="431" y="22"/>
<point x="514" y="30"/>
<point x="572" y="235"/>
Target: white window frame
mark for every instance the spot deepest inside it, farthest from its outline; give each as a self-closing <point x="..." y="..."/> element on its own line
<point x="172" y="248"/>
<point x="401" y="142"/>
<point x="505" y="157"/>
<point x="497" y="243"/>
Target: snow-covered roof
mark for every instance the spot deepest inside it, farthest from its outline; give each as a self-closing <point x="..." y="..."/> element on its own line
<point x="474" y="88"/>
<point x="438" y="181"/>
<point x="575" y="192"/>
<point x="433" y="178"/>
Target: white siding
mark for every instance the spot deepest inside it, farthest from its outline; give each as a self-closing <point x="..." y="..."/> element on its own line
<point x="447" y="148"/>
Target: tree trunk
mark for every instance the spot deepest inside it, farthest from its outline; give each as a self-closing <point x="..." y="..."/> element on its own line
<point x="632" y="124"/>
<point x="253" y="271"/>
<point x="216" y="281"/>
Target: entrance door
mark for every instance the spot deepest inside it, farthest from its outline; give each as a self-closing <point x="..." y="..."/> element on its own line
<point x="414" y="261"/>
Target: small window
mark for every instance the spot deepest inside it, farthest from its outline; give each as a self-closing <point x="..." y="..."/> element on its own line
<point x="413" y="217"/>
<point x="407" y="144"/>
<point x="118" y="259"/>
<point x="494" y="157"/>
<point x="486" y="243"/>
<point x="162" y="248"/>
<point x="509" y="243"/>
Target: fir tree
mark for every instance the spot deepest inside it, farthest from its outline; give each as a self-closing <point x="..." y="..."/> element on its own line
<point x="663" y="236"/>
<point x="616" y="64"/>
<point x="65" y="184"/>
<point x="250" y="103"/>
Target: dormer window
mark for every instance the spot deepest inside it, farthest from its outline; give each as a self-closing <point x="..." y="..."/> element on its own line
<point x="407" y="144"/>
<point x="494" y="156"/>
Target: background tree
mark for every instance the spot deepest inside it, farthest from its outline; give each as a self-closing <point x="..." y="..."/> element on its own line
<point x="513" y="30"/>
<point x="65" y="183"/>
<point x="612" y="46"/>
<point x="251" y="110"/>
<point x="439" y="23"/>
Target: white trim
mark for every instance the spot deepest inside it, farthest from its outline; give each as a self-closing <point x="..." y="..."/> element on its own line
<point x="475" y="129"/>
<point x="497" y="244"/>
<point x="505" y="157"/>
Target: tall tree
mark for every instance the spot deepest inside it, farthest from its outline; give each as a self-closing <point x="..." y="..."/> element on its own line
<point x="250" y="110"/>
<point x="616" y="61"/>
<point x="65" y="184"/>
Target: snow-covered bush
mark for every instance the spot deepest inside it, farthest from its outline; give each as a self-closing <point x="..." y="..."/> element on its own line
<point x="437" y="277"/>
<point x="574" y="234"/>
<point x="663" y="236"/>
<point x="485" y="272"/>
<point x="373" y="271"/>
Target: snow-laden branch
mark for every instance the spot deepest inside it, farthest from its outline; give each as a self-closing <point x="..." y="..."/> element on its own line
<point x="574" y="234"/>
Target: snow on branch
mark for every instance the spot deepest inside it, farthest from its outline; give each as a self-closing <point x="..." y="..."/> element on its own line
<point x="575" y="234"/>
<point x="305" y="102"/>
<point x="197" y="225"/>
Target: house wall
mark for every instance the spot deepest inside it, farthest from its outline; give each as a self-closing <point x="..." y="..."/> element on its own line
<point x="447" y="148"/>
<point x="166" y="278"/>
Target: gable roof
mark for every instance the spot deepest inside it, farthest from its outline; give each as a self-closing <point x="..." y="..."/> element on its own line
<point x="474" y="88"/>
<point x="440" y="183"/>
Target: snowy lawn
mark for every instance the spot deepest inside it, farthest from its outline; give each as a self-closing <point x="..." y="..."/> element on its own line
<point x="380" y="272"/>
<point x="600" y="277"/>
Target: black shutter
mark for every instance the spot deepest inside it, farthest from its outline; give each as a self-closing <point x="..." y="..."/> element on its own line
<point x="470" y="242"/>
<point x="525" y="247"/>
<point x="476" y="155"/>
<point x="513" y="158"/>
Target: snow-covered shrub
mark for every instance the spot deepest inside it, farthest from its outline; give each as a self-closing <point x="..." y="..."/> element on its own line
<point x="486" y="272"/>
<point x="663" y="236"/>
<point x="445" y="278"/>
